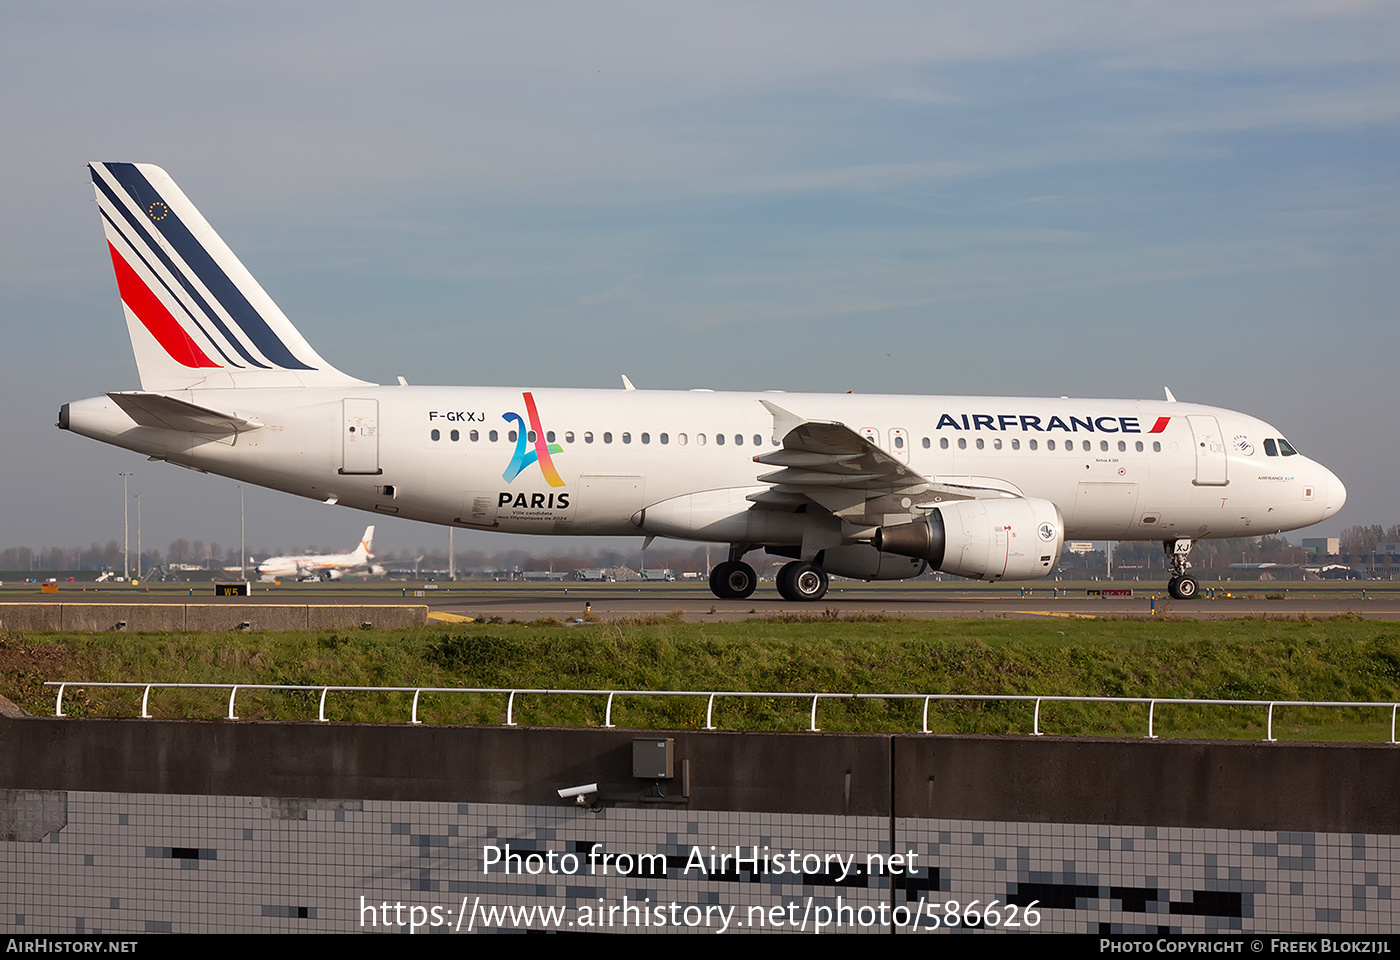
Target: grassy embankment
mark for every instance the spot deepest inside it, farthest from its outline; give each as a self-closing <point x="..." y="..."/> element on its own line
<point x="1336" y="659"/>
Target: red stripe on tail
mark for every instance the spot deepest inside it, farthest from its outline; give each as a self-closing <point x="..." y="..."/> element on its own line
<point x="154" y="317"/>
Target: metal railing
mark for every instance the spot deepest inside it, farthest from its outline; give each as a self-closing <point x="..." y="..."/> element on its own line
<point x="711" y="696"/>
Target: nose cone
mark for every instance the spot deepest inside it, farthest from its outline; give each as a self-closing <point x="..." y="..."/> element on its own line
<point x="1336" y="494"/>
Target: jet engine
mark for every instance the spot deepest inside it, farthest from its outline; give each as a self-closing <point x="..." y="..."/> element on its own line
<point x="1013" y="539"/>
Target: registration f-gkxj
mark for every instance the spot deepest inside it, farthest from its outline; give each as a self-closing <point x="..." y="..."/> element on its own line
<point x="870" y="487"/>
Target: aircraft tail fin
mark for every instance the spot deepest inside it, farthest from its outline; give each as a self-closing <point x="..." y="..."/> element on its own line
<point x="366" y="542"/>
<point x="196" y="316"/>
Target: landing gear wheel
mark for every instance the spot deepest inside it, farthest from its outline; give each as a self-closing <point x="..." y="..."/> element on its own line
<point x="733" y="580"/>
<point x="1183" y="588"/>
<point x="802" y="582"/>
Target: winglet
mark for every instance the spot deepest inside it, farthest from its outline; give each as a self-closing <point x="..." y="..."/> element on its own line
<point x="1170" y="398"/>
<point x="627" y="384"/>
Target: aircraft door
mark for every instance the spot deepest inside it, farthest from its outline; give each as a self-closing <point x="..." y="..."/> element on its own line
<point x="359" y="437"/>
<point x="1211" y="460"/>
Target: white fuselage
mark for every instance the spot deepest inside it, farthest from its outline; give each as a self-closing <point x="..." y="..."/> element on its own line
<point x="680" y="464"/>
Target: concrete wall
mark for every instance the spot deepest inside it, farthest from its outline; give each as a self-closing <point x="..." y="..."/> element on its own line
<point x="131" y="826"/>
<point x="1278" y="786"/>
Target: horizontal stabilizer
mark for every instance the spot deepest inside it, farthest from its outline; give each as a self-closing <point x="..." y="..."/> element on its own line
<point x="167" y="413"/>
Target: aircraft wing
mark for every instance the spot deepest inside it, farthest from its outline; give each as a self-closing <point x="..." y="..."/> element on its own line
<point x="833" y="466"/>
<point x="167" y="413"/>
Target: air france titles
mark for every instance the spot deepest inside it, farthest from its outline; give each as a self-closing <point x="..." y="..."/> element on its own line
<point x="1029" y="423"/>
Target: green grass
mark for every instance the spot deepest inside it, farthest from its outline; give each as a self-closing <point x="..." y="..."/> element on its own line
<point x="1337" y="659"/>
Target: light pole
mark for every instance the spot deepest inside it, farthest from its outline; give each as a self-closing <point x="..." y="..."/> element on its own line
<point x="138" y="536"/>
<point x="126" y="530"/>
<point x="242" y="550"/>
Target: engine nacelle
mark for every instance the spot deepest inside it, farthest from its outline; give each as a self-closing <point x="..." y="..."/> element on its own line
<point x="861" y="561"/>
<point x="990" y="540"/>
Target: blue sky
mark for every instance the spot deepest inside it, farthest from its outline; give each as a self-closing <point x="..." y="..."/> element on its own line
<point x="1092" y="199"/>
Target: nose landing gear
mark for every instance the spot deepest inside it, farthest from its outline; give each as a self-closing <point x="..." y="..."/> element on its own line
<point x="1181" y="586"/>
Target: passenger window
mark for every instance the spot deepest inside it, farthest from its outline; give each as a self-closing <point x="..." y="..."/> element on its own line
<point x="1156" y="446"/>
<point x="511" y="436"/>
<point x="699" y="439"/>
<point x="588" y="436"/>
<point x="474" y="436"/>
<point x="530" y="435"/>
<point x="455" y="436"/>
<point x="436" y="434"/>
<point x="926" y="443"/>
<point x="680" y="438"/>
<point x="1139" y="446"/>
<point x="646" y="438"/>
<point x="1035" y="444"/>
<point x="568" y="436"/>
<point x="996" y="444"/>
<point x="962" y="443"/>
<point x="1015" y="444"/>
<point x="1103" y="444"/>
<point x="981" y="443"/>
<point x="607" y="437"/>
<point x="943" y="442"/>
<point x="738" y="439"/>
<point x="1122" y="446"/>
<point x="899" y="443"/>
<point x="757" y="440"/>
<point x="665" y="439"/>
<point x="719" y="439"/>
<point x="1049" y="444"/>
<point x="626" y="437"/>
<point x="549" y="436"/>
<point x="492" y="436"/>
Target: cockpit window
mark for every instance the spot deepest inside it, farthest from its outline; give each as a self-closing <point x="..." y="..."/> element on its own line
<point x="1285" y="448"/>
<point x="1270" y="448"/>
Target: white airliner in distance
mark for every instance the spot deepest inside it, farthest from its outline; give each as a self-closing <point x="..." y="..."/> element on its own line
<point x="324" y="566"/>
<point x="866" y="487"/>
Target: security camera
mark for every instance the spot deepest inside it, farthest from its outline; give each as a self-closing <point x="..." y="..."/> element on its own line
<point x="580" y="793"/>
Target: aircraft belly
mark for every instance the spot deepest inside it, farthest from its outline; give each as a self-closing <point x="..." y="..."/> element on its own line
<point x="606" y="504"/>
<point x="1103" y="510"/>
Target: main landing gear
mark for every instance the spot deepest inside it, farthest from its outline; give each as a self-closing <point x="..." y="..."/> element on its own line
<point x="1182" y="586"/>
<point x="801" y="581"/>
<point x="733" y="580"/>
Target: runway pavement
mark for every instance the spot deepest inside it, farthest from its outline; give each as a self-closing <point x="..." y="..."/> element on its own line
<point x="693" y="601"/>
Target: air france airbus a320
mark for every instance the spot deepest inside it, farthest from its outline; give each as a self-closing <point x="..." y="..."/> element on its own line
<point x="867" y="487"/>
